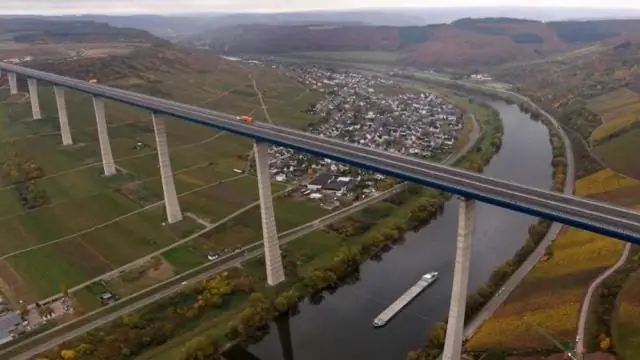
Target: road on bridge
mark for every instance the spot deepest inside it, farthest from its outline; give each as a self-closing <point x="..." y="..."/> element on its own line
<point x="293" y="234"/>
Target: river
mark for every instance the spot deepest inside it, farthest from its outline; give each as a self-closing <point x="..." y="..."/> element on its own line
<point x="340" y="327"/>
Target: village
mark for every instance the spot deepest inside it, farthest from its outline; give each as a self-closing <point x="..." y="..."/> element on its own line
<point x="356" y="109"/>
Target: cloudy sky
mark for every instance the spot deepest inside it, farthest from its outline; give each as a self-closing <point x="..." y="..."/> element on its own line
<point x="181" y="6"/>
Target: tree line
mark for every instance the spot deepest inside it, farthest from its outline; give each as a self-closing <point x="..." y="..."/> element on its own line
<point x="22" y="174"/>
<point x="536" y="233"/>
<point x="374" y="229"/>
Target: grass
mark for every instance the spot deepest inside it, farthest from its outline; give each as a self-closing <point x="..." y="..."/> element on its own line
<point x="626" y="322"/>
<point x="620" y="153"/>
<point x="314" y="250"/>
<point x="183" y="258"/>
<point x="216" y="320"/>
<point x="551" y="294"/>
<point x="245" y="228"/>
<point x="201" y="158"/>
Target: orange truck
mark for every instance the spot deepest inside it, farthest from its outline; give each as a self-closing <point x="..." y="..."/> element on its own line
<point x="245" y="118"/>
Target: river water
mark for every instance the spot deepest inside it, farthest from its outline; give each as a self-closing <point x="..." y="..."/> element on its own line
<point x="340" y="327"/>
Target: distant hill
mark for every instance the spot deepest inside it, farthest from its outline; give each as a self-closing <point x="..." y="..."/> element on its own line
<point x="40" y="30"/>
<point x="192" y="23"/>
<point x="465" y="42"/>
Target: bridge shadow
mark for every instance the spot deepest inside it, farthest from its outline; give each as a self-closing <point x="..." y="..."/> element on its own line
<point x="239" y="352"/>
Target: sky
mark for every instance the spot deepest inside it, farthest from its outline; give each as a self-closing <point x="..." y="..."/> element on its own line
<point x="58" y="7"/>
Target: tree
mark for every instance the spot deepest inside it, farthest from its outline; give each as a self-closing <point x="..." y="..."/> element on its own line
<point x="414" y="355"/>
<point x="68" y="354"/>
<point x="437" y="336"/>
<point x="24" y="311"/>
<point x="65" y="290"/>
<point x="605" y="343"/>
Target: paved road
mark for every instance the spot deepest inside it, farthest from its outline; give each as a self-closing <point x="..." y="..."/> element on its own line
<point x="584" y="309"/>
<point x="490" y="308"/>
<point x="292" y="234"/>
<point x="138" y="262"/>
<point x="588" y="215"/>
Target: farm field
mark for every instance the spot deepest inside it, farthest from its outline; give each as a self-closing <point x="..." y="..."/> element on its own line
<point x="549" y="298"/>
<point x="238" y="231"/>
<point x="618" y="109"/>
<point x="74" y="224"/>
<point x="620" y="153"/>
<point x="370" y="57"/>
<point x="626" y="321"/>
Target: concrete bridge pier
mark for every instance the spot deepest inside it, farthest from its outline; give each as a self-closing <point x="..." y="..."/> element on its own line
<point x="63" y="119"/>
<point x="103" y="137"/>
<point x="272" y="256"/>
<point x="455" y="324"/>
<point x="164" y="160"/>
<point x="33" y="97"/>
<point x="13" y="83"/>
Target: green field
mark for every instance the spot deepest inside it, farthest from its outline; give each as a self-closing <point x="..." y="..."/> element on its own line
<point x="620" y="153"/>
<point x="367" y="57"/>
<point x="88" y="224"/>
<point x="625" y="328"/>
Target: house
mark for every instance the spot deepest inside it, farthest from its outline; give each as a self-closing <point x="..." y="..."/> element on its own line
<point x="108" y="297"/>
<point x="335" y="186"/>
<point x="319" y="181"/>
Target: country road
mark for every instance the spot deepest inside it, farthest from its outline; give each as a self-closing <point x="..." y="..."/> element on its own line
<point x="293" y="235"/>
<point x="553" y="232"/>
<point x="490" y="308"/>
<point x="290" y="236"/>
<point x="584" y="309"/>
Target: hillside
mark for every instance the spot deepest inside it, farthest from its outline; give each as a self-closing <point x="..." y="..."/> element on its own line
<point x="463" y="43"/>
<point x="119" y="219"/>
<point x="595" y="95"/>
<point x="45" y="31"/>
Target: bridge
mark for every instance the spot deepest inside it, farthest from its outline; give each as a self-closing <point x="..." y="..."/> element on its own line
<point x="581" y="213"/>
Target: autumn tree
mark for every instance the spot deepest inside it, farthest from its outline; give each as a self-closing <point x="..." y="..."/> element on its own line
<point x="68" y="354"/>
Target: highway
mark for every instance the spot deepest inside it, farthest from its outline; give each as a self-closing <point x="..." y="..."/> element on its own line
<point x="291" y="235"/>
<point x="516" y="278"/>
<point x="585" y="214"/>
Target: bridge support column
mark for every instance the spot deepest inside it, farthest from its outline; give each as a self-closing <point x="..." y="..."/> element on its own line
<point x="13" y="83"/>
<point x="103" y="137"/>
<point x="33" y="97"/>
<point x="455" y="324"/>
<point x="164" y="160"/>
<point x="63" y="119"/>
<point x="272" y="256"/>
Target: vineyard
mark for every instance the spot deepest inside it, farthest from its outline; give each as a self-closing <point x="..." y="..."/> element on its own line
<point x="627" y="320"/>
<point x="618" y="109"/>
<point x="576" y="258"/>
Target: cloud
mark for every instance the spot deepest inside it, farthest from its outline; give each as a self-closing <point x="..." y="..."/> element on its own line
<point x="182" y="6"/>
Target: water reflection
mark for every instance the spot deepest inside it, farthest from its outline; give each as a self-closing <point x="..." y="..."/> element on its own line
<point x="283" y="325"/>
<point x="239" y="352"/>
<point x="336" y="324"/>
<point x="284" y="333"/>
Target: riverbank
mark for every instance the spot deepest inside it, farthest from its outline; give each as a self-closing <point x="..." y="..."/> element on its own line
<point x="571" y="313"/>
<point x="319" y="248"/>
<point x="482" y="303"/>
<point x="336" y="327"/>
